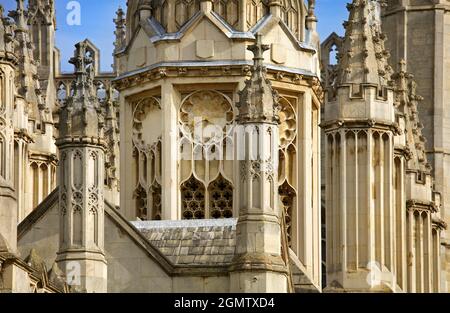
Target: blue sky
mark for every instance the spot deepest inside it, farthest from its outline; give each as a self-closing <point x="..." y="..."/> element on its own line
<point x="97" y="25"/>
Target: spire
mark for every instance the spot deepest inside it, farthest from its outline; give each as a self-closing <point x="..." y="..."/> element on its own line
<point x="364" y="58"/>
<point x="82" y="111"/>
<point x="258" y="101"/>
<point x="120" y="30"/>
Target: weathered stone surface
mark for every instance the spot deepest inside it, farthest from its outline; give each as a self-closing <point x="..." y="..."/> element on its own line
<point x="198" y="242"/>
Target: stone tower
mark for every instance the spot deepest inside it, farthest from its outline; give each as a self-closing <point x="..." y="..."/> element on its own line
<point x="180" y="68"/>
<point x="258" y="239"/>
<point x="34" y="144"/>
<point x="81" y="171"/>
<point x="418" y="205"/>
<point x="8" y="203"/>
<point x="359" y="124"/>
<point x="418" y="33"/>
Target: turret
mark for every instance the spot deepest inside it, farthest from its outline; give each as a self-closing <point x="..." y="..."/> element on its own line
<point x="81" y="171"/>
<point x="8" y="203"/>
<point x="33" y="122"/>
<point x="258" y="265"/>
<point x="359" y="124"/>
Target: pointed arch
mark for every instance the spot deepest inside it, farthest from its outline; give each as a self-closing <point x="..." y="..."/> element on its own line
<point x="220" y="198"/>
<point x="193" y="199"/>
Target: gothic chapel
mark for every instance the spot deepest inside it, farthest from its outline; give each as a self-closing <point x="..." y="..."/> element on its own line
<point x="225" y="151"/>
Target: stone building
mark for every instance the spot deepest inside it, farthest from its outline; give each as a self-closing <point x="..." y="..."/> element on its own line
<point x="224" y="180"/>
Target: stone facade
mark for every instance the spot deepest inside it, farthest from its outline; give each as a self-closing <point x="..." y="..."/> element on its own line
<point x="197" y="164"/>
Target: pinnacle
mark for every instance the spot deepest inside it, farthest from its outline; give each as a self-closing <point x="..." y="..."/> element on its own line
<point x="258" y="101"/>
<point x="364" y="58"/>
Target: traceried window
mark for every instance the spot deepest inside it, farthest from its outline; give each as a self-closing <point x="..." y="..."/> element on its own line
<point x="147" y="158"/>
<point x="221" y="198"/>
<point x="288" y="162"/>
<point x="206" y="150"/>
<point x="193" y="199"/>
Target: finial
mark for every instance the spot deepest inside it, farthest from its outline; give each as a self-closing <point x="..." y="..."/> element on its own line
<point x="258" y="50"/>
<point x="311" y="8"/>
<point x="311" y="19"/>
<point x="80" y="60"/>
<point x="120" y="29"/>
<point x="258" y="101"/>
<point x="19" y="15"/>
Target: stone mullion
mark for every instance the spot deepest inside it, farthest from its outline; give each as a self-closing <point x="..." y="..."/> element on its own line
<point x="329" y="200"/>
<point x="381" y="203"/>
<point x="429" y="251"/>
<point x="20" y="177"/>
<point x="336" y="206"/>
<point x="421" y="253"/>
<point x="70" y="189"/>
<point x="206" y="157"/>
<point x="101" y="202"/>
<point x="85" y="192"/>
<point x="343" y="203"/>
<point x="370" y="203"/>
<point x="170" y="154"/>
<point x="356" y="202"/>
<point x="412" y="257"/>
<point x="401" y="242"/>
<point x="307" y="227"/>
<point x="437" y="263"/>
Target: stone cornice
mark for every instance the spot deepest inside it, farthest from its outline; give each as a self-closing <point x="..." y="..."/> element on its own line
<point x="80" y="141"/>
<point x="163" y="70"/>
<point x="421" y="206"/>
<point x="441" y="225"/>
<point x="23" y="134"/>
<point x="362" y="124"/>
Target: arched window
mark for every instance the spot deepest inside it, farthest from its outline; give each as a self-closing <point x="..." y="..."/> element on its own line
<point x="193" y="199"/>
<point x="205" y="121"/>
<point x="147" y="158"/>
<point x="221" y="198"/>
<point x="288" y="163"/>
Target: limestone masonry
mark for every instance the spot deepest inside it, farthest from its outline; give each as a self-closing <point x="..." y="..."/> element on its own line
<point x="228" y="151"/>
